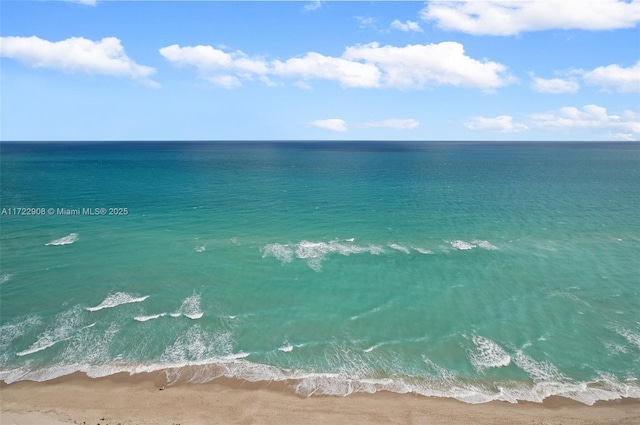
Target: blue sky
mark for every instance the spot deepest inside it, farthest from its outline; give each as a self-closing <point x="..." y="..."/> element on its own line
<point x="335" y="70"/>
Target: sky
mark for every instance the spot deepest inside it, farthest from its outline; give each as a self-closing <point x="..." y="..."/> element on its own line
<point x="320" y="70"/>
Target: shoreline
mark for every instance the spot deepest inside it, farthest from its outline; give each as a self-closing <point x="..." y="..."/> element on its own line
<point x="138" y="399"/>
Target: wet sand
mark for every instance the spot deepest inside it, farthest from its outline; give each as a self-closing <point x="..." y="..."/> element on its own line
<point x="126" y="400"/>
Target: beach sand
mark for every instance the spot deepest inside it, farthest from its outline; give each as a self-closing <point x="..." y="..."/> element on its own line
<point x="126" y="400"/>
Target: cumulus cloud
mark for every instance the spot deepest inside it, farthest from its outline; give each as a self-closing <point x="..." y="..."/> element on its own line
<point x="501" y="124"/>
<point x="419" y="65"/>
<point x="511" y="17"/>
<point x="409" y="26"/>
<point x="208" y="58"/>
<point x="593" y="118"/>
<point x="615" y="77"/>
<point x="333" y="124"/>
<point x="394" y="123"/>
<point x="317" y="66"/>
<point x="589" y="117"/>
<point x="363" y="65"/>
<point x="76" y="55"/>
<point x="554" y="85"/>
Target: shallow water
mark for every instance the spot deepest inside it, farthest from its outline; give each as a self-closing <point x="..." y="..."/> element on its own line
<point x="474" y="271"/>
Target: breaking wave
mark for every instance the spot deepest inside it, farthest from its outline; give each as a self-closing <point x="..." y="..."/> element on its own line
<point x="488" y="354"/>
<point x="63" y="328"/>
<point x="190" y="308"/>
<point x="183" y="363"/>
<point x="314" y="253"/>
<point x="149" y="317"/>
<point x="66" y="240"/>
<point x="461" y="245"/>
<point x="119" y="298"/>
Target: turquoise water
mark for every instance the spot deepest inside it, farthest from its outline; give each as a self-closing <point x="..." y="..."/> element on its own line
<point x="475" y="271"/>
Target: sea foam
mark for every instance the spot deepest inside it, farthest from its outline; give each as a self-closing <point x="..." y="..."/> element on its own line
<point x="66" y="240"/>
<point x="461" y="245"/>
<point x="62" y="329"/>
<point x="149" y="317"/>
<point x="190" y="308"/>
<point x="314" y="253"/>
<point x="488" y="354"/>
<point x="119" y="298"/>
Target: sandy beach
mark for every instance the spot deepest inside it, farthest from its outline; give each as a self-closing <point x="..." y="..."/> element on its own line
<point x="143" y="399"/>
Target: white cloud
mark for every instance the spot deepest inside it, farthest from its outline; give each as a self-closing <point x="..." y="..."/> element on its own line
<point x="407" y="26"/>
<point x="302" y="85"/>
<point x="86" y="2"/>
<point x="340" y="125"/>
<point x="510" y="17"/>
<point x="333" y="124"/>
<point x="615" y="77"/>
<point x="366" y="22"/>
<point x="394" y="123"/>
<point x="591" y="118"/>
<point x="316" y="66"/>
<point x="623" y="137"/>
<point x="501" y="124"/>
<point x="419" y="65"/>
<point x="554" y="85"/>
<point x="208" y="58"/>
<point x="365" y="66"/>
<point x="225" y="81"/>
<point x="314" y="5"/>
<point x="76" y="54"/>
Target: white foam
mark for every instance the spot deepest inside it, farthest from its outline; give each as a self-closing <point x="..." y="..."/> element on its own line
<point x="89" y="345"/>
<point x="399" y="247"/>
<point x="190" y="308"/>
<point x="200" y="248"/>
<point x="198" y="344"/>
<point x="485" y="245"/>
<point x="631" y="337"/>
<point x="150" y="317"/>
<point x="537" y="370"/>
<point x="282" y="252"/>
<point x="462" y="245"/>
<point x="370" y="349"/>
<point x="350" y="240"/>
<point x="10" y="331"/>
<point x="62" y="329"/>
<point x="422" y="250"/>
<point x="5" y="278"/>
<point x="286" y="348"/>
<point x="66" y="240"/>
<point x="488" y="354"/>
<point x="235" y="356"/>
<point x="314" y="253"/>
<point x="119" y="298"/>
<point x="198" y="362"/>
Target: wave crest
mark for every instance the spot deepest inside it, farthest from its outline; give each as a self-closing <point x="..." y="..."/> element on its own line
<point x="65" y="240"/>
<point x="119" y="298"/>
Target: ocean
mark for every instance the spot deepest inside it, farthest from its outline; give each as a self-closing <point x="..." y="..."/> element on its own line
<point x="477" y="271"/>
